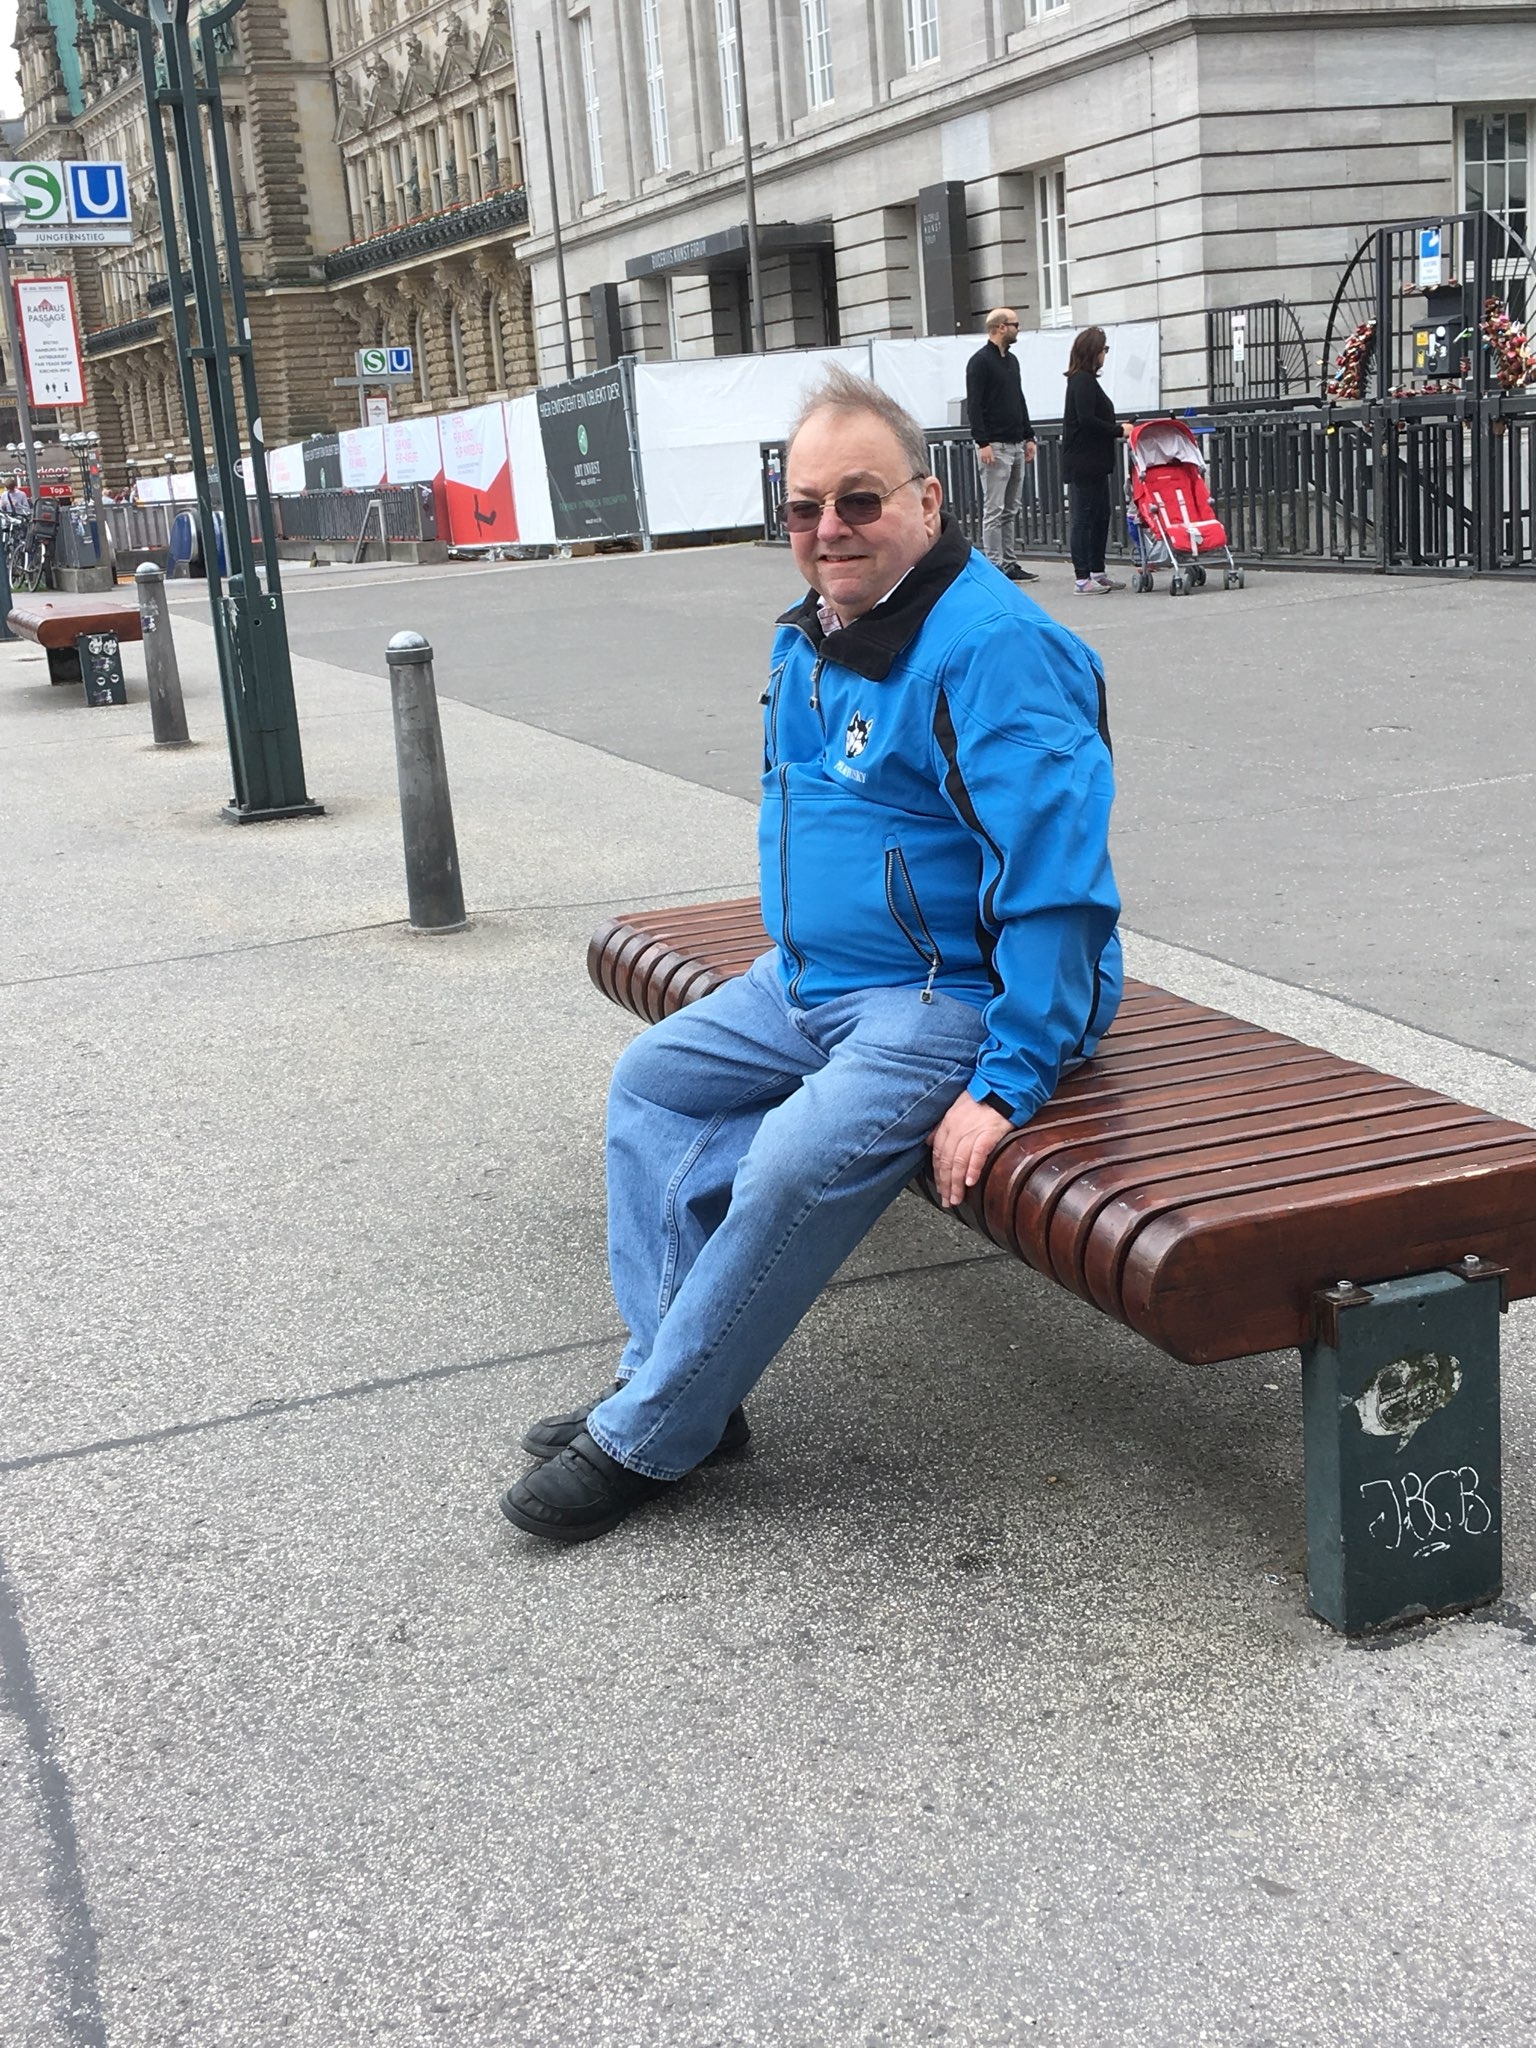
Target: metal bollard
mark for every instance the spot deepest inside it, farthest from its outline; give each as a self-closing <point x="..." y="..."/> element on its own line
<point x="432" y="880"/>
<point x="167" y="713"/>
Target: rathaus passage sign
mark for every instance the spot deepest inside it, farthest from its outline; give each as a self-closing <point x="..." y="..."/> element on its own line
<point x="584" y="426"/>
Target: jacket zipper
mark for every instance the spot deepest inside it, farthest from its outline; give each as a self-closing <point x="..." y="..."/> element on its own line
<point x="789" y="944"/>
<point x="770" y="698"/>
<point x="926" y="949"/>
<point x="816" y="693"/>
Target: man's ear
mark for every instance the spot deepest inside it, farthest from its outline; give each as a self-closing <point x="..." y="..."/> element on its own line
<point x="933" y="500"/>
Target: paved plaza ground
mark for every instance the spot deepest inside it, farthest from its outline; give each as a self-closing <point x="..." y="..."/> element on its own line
<point x="978" y="1703"/>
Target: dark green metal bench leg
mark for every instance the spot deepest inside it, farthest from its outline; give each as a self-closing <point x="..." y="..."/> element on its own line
<point x="1400" y="1401"/>
<point x="64" y="665"/>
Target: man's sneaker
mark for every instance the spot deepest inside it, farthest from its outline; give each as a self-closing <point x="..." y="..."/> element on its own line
<point x="547" y="1439"/>
<point x="1017" y="573"/>
<point x="1090" y="586"/>
<point x="1108" y="583"/>
<point x="581" y="1494"/>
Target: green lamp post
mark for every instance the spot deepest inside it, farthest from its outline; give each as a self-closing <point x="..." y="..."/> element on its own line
<point x="255" y="672"/>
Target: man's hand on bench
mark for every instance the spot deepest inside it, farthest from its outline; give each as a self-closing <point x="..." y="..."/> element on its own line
<point x="962" y="1145"/>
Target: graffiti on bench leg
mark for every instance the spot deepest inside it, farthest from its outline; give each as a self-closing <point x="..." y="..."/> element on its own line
<point x="1427" y="1511"/>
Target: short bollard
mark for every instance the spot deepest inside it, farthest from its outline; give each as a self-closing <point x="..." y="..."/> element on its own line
<point x="433" y="886"/>
<point x="167" y="713"/>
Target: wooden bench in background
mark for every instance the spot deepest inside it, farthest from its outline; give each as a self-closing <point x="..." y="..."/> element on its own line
<point x="1207" y="1182"/>
<point x="58" y="624"/>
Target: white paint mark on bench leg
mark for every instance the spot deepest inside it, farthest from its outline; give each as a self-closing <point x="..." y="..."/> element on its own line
<point x="1407" y="1392"/>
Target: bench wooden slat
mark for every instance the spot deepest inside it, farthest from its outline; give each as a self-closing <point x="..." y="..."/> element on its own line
<point x="1199" y="1179"/>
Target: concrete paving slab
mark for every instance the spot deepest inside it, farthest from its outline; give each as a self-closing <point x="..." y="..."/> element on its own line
<point x="976" y="1698"/>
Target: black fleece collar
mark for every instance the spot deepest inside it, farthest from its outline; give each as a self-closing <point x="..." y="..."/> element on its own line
<point x="872" y="644"/>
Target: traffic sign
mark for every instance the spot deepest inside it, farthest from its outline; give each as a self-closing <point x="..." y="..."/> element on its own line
<point x="80" y="204"/>
<point x="385" y="362"/>
<point x="98" y="193"/>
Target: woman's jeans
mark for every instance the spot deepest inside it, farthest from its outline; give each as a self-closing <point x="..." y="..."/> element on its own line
<point x="1090" y="524"/>
<point x="751" y="1145"/>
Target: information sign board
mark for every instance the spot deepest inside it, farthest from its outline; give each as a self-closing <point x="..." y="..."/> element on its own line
<point x="50" y="342"/>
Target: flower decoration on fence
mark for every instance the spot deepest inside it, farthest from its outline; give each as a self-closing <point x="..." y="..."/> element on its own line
<point x="1351" y="362"/>
<point x="1514" y="354"/>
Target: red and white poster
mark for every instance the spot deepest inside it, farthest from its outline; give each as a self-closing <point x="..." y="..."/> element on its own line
<point x="362" y="459"/>
<point x="50" y="340"/>
<point x="477" y="478"/>
<point x="285" y="470"/>
<point x="411" y="452"/>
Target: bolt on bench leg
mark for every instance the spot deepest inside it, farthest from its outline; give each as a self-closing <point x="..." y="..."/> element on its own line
<point x="1400" y="1407"/>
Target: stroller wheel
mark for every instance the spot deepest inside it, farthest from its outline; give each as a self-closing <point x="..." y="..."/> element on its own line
<point x="1238" y="579"/>
<point x="1197" y="578"/>
<point x="1176" y="587"/>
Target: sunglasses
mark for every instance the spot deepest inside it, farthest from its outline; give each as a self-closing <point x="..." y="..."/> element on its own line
<point x="853" y="508"/>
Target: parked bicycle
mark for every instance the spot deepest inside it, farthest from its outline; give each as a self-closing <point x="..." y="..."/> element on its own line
<point x="29" y="544"/>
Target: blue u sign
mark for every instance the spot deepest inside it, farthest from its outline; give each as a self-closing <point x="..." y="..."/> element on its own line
<point x="401" y="362"/>
<point x="98" y="192"/>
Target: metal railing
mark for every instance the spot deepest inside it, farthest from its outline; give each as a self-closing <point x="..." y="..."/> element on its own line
<point x="1443" y="483"/>
<point x="438" y="231"/>
<point x="122" y="336"/>
<point x="410" y="514"/>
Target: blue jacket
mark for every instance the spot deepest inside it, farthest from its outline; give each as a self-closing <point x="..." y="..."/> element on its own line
<point x="936" y="795"/>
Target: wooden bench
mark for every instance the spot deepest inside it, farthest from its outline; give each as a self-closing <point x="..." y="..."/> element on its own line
<point x="1207" y="1183"/>
<point x="58" y="624"/>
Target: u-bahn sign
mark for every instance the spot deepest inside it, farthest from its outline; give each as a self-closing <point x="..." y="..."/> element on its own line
<point x="71" y="205"/>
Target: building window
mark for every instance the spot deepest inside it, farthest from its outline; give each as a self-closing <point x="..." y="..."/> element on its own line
<point x="1039" y="7"/>
<point x="588" y="57"/>
<point x="655" y="86"/>
<point x="922" y="33"/>
<point x="730" y="82"/>
<point x="456" y="353"/>
<point x="816" y="39"/>
<point x="1051" y="246"/>
<point x="1495" y="165"/>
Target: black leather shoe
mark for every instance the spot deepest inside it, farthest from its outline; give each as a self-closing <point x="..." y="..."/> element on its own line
<point x="581" y="1494"/>
<point x="1017" y="573"/>
<point x="547" y="1439"/>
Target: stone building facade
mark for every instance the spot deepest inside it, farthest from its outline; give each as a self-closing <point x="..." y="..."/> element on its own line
<point x="376" y="165"/>
<point x="1120" y="159"/>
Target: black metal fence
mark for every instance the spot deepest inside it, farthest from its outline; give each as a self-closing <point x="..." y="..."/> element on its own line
<point x="1443" y="483"/>
<point x="1255" y="351"/>
<point x="410" y="514"/>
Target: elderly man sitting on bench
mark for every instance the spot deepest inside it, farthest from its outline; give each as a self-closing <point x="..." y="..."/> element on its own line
<point x="936" y="880"/>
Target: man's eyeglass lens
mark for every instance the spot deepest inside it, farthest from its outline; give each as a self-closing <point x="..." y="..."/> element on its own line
<point x="853" y="508"/>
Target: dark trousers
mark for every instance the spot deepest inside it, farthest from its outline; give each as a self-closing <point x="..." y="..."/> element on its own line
<point x="1089" y="497"/>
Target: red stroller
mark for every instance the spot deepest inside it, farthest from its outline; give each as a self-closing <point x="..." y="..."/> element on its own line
<point x="1171" y="520"/>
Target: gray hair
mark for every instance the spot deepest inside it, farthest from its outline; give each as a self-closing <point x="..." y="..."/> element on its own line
<point x="840" y="391"/>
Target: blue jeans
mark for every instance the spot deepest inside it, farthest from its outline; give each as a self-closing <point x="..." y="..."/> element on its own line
<point x="751" y="1145"/>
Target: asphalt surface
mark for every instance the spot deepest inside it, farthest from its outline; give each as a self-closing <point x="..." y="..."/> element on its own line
<point x="977" y="1703"/>
<point x="1328" y="778"/>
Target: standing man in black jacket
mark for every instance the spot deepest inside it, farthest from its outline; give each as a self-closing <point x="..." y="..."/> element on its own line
<point x="1005" y="440"/>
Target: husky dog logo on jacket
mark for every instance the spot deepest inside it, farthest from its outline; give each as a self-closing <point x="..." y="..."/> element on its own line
<point x="857" y="737"/>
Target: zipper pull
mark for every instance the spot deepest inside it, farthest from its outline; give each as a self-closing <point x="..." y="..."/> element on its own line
<point x="816" y="683"/>
<point x="927" y="995"/>
<point x="766" y="697"/>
